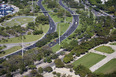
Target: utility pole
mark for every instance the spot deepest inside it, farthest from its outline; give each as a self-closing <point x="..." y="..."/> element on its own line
<point x="59" y="34"/>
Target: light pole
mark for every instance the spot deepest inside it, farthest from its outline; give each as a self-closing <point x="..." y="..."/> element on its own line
<point x="3" y="7"/>
<point x="59" y="34"/>
<point x="33" y="11"/>
<point x="22" y="47"/>
<point x="65" y="17"/>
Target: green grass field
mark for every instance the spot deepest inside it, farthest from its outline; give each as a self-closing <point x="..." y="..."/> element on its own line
<point x="89" y="60"/>
<point x="18" y="21"/>
<point x="28" y="38"/>
<point x="112" y="43"/>
<point x="108" y="67"/>
<point x="105" y="49"/>
<point x="10" y="50"/>
<point x="56" y="48"/>
<point x="63" y="27"/>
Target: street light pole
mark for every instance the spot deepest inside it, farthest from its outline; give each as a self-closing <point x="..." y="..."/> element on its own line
<point x="59" y="34"/>
<point x="22" y="47"/>
<point x="32" y="5"/>
<point x="65" y="16"/>
<point x="33" y="11"/>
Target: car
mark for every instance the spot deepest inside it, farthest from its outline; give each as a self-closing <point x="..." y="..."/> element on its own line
<point x="75" y="22"/>
<point x="54" y="40"/>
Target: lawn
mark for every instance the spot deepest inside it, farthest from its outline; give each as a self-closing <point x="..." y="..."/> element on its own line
<point x="10" y="50"/>
<point x="112" y="43"/>
<point x="105" y="49"/>
<point x="108" y="67"/>
<point x="63" y="28"/>
<point x="27" y="38"/>
<point x="56" y="48"/>
<point x="18" y="21"/>
<point x="2" y="47"/>
<point x="89" y="60"/>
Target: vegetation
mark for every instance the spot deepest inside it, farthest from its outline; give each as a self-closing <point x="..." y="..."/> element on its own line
<point x="17" y="62"/>
<point x="67" y="58"/>
<point x="108" y="67"/>
<point x="89" y="60"/>
<point x="6" y="52"/>
<point x="108" y="6"/>
<point x="18" y="21"/>
<point x="59" y="63"/>
<point x="48" y="69"/>
<point x="112" y="43"/>
<point x="56" y="48"/>
<point x="47" y="39"/>
<point x="81" y="70"/>
<point x="105" y="49"/>
<point x="42" y="19"/>
<point x="40" y="70"/>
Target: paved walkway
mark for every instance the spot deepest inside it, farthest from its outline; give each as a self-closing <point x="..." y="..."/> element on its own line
<point x="105" y="60"/>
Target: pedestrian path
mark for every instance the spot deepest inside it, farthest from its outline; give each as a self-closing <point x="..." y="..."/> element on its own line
<point x="105" y="60"/>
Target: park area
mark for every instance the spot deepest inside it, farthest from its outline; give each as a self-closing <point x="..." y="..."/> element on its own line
<point x="89" y="60"/>
<point x="10" y="50"/>
<point x="27" y="38"/>
<point x="108" y="67"/>
<point x="105" y="49"/>
<point x="20" y="20"/>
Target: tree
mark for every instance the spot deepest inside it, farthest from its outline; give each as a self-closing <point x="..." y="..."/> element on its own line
<point x="59" y="63"/>
<point x="32" y="67"/>
<point x="33" y="72"/>
<point x="39" y="75"/>
<point x="42" y="19"/>
<point x="81" y="70"/>
<point x="67" y="58"/>
<point x="40" y="70"/>
<point x="48" y="69"/>
<point x="9" y="75"/>
<point x="37" y="32"/>
<point x="52" y="4"/>
<point x="31" y="25"/>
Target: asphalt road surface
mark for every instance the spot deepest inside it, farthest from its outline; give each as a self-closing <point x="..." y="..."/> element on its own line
<point x="52" y="28"/>
<point x="51" y="22"/>
<point x="70" y="30"/>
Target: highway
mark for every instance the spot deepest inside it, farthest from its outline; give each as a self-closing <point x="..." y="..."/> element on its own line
<point x="70" y="30"/>
<point x="100" y="13"/>
<point x="51" y="22"/>
<point x="51" y="30"/>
